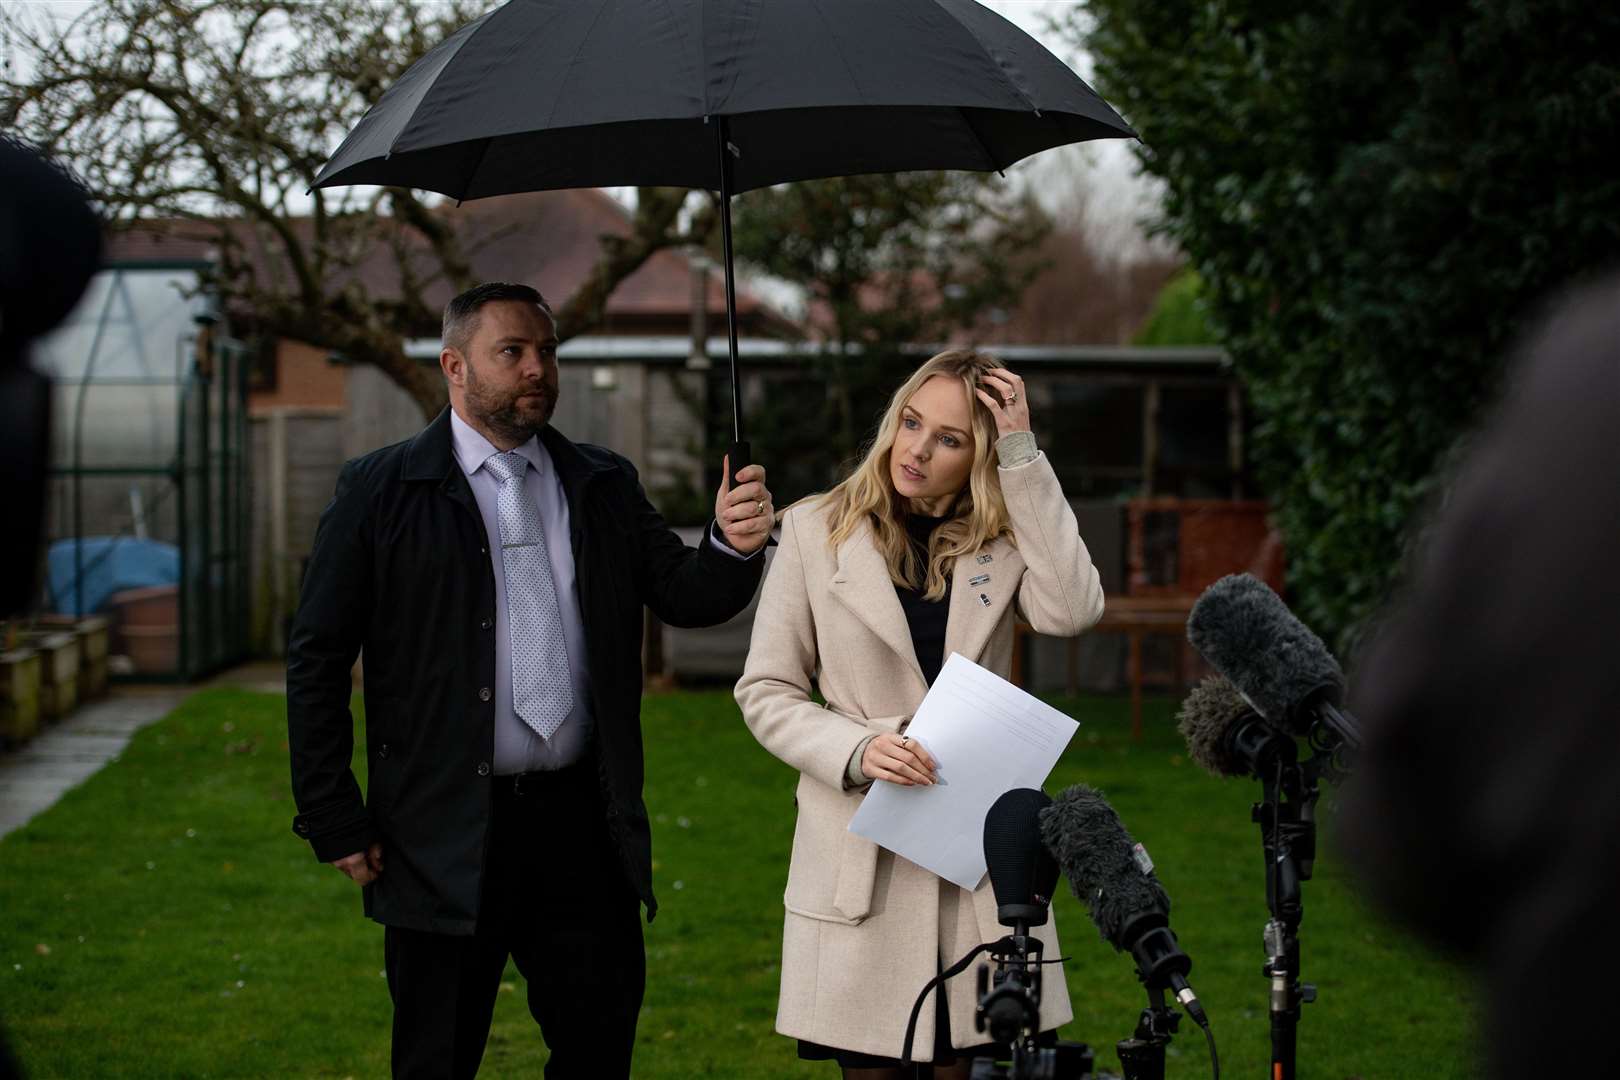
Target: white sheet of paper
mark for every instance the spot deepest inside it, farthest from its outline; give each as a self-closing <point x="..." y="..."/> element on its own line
<point x="988" y="737"/>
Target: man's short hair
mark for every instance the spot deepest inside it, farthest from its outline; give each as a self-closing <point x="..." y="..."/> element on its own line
<point x="461" y="314"/>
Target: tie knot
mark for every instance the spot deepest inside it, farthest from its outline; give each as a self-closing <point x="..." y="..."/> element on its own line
<point x="506" y="466"/>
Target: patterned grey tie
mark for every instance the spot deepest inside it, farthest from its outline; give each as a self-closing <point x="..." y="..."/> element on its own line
<point x="542" y="693"/>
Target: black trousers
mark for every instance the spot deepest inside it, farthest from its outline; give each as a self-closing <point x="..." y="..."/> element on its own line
<point x="557" y="901"/>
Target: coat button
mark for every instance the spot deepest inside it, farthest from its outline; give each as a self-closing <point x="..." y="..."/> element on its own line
<point x="483" y="768"/>
<point x="486" y="624"/>
<point x="484" y="694"/>
<point x="382" y="751"/>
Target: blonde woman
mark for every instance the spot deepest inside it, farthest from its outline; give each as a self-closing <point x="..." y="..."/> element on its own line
<point x="953" y="526"/>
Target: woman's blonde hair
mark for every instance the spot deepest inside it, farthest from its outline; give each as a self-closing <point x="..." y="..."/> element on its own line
<point x="978" y="514"/>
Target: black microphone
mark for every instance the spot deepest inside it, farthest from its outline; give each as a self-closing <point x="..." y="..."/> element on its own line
<point x="1227" y="737"/>
<point x="1114" y="876"/>
<point x="1279" y="666"/>
<point x="1023" y="873"/>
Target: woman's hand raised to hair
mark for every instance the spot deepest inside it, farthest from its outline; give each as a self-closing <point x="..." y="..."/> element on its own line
<point x="1012" y="410"/>
<point x="899" y="760"/>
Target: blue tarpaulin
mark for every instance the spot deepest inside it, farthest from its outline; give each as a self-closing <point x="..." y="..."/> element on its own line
<point x="111" y="564"/>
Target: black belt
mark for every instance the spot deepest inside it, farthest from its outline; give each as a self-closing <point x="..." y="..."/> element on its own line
<point x="542" y="780"/>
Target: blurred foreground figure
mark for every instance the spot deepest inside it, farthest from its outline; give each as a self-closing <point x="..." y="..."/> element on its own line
<point x="50" y="245"/>
<point x="1486" y="810"/>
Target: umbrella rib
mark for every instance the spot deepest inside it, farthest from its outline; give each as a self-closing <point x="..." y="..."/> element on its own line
<point x="573" y="63"/>
<point x="480" y="23"/>
<point x="838" y="48"/>
<point x="742" y="49"/>
<point x="1011" y="85"/>
<point x="673" y="19"/>
<point x="472" y="173"/>
<point x="973" y="130"/>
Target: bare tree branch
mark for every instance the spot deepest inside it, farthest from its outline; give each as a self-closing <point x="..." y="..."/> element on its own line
<point x="220" y="112"/>
<point x="651" y="231"/>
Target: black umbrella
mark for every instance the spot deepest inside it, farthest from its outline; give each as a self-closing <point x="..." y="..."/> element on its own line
<point x="727" y="95"/>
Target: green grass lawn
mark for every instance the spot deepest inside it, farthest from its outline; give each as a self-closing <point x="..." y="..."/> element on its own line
<point x="163" y="921"/>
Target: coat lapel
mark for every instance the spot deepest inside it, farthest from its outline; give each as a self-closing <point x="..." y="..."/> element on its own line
<point x="862" y="584"/>
<point x="431" y="458"/>
<point x="972" y="618"/>
<point x="576" y="474"/>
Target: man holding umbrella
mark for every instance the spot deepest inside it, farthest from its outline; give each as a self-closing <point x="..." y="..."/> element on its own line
<point x="494" y="574"/>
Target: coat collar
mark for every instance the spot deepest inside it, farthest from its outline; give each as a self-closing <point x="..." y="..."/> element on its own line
<point x="431" y="456"/>
<point x="862" y="584"/>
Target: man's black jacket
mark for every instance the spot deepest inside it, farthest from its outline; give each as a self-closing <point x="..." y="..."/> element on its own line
<point x="400" y="567"/>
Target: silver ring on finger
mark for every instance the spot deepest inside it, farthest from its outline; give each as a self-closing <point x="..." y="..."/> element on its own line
<point x="1012" y="399"/>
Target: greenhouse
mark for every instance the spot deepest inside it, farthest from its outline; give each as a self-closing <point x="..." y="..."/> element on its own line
<point x="146" y="522"/>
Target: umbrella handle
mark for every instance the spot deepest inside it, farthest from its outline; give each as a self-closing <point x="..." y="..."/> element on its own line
<point x="740" y="454"/>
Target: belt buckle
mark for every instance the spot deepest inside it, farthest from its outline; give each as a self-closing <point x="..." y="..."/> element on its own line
<point x="517" y="783"/>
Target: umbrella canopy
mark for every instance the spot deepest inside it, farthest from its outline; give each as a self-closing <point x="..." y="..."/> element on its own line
<point x="545" y="94"/>
<point x="727" y="95"/>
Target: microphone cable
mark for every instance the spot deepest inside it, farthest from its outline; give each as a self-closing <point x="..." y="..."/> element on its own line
<point x="1209" y="1037"/>
<point x="916" y="1007"/>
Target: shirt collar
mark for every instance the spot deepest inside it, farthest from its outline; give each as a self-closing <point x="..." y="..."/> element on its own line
<point x="472" y="449"/>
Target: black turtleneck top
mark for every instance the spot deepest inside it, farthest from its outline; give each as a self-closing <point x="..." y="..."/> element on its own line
<point x="926" y="618"/>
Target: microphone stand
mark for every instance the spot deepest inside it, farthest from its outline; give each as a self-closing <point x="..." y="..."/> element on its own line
<point x="1141" y="1056"/>
<point x="1287" y="819"/>
<point x="1011" y="1008"/>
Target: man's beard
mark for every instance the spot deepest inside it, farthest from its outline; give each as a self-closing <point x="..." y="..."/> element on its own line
<point x="509" y="415"/>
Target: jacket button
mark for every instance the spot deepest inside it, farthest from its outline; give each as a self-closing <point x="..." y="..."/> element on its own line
<point x="483" y="768"/>
<point x="382" y="751"/>
<point x="486" y="624"/>
<point x="484" y="694"/>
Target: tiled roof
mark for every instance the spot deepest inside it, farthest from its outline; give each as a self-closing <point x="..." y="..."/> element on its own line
<point x="546" y="239"/>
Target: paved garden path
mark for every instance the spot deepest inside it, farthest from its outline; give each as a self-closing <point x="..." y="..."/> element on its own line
<point x="66" y="754"/>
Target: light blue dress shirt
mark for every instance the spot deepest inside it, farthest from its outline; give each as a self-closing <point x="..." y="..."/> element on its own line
<point x="517" y="747"/>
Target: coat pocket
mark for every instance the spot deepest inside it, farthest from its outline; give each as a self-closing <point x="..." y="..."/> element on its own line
<point x="857" y="868"/>
<point x="832" y="872"/>
<point x="830" y="875"/>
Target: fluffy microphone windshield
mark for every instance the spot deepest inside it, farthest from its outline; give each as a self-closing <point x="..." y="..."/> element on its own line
<point x="1099" y="859"/>
<point x="1208" y="717"/>
<point x="1248" y="634"/>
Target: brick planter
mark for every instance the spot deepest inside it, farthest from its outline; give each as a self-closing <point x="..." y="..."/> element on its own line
<point x="59" y="672"/>
<point x="94" y="633"/>
<point x="19" y="695"/>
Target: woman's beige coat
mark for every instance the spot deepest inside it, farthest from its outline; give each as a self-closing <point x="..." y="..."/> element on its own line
<point x="865" y="928"/>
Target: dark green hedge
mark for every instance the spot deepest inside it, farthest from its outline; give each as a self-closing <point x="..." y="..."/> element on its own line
<point x="1378" y="197"/>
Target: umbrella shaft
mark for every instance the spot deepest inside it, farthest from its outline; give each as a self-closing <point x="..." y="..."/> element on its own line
<point x="721" y="132"/>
